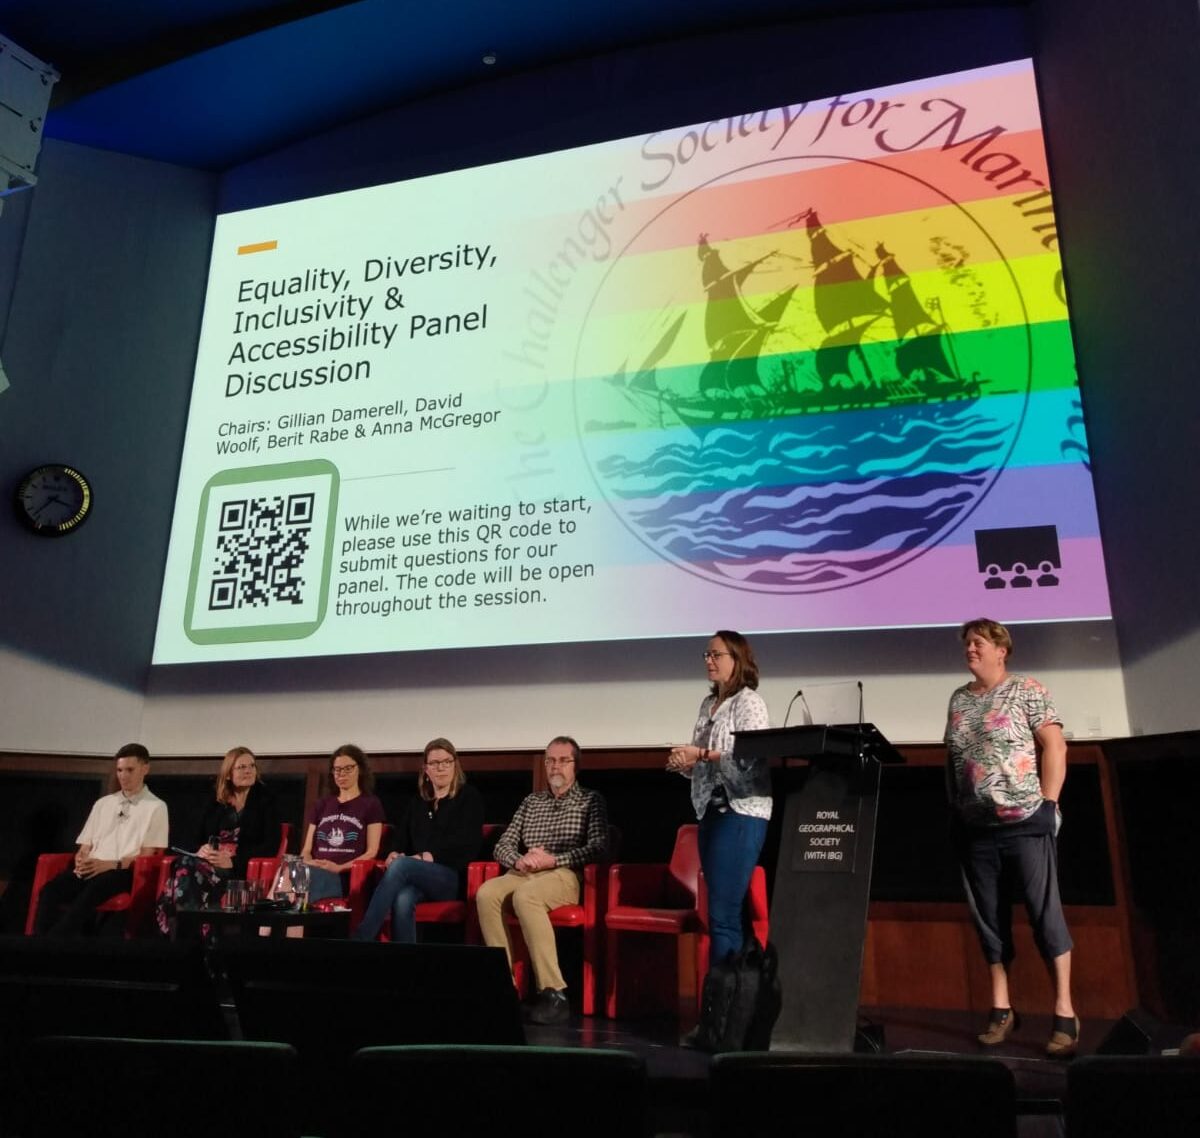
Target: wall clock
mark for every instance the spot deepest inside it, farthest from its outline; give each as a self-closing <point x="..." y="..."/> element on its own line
<point x="54" y="499"/>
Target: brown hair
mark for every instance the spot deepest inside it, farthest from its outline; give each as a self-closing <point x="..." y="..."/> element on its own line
<point x="745" y="668"/>
<point x="424" y="786"/>
<point x="992" y="631"/>
<point x="366" y="780"/>
<point x="225" y="775"/>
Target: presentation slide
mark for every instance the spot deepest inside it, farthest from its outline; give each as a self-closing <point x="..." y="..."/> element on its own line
<point x="807" y="367"/>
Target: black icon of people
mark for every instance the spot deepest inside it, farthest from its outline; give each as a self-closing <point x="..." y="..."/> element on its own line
<point x="1019" y="557"/>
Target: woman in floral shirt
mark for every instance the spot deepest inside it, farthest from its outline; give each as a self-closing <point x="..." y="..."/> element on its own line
<point x="1007" y="811"/>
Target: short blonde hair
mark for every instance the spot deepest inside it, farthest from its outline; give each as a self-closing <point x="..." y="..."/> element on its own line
<point x="992" y="631"/>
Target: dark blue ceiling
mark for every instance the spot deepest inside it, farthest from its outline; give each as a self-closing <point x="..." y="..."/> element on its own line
<point x="213" y="83"/>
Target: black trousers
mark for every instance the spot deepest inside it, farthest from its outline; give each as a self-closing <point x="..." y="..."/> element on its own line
<point x="997" y="861"/>
<point x="67" y="903"/>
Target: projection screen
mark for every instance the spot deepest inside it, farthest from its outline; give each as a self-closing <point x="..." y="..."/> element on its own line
<point x="808" y="367"/>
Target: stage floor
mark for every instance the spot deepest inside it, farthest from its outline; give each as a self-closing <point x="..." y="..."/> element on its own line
<point x="678" y="1076"/>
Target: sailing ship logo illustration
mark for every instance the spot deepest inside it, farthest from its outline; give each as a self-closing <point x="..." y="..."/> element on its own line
<point x="882" y="345"/>
<point x="802" y="405"/>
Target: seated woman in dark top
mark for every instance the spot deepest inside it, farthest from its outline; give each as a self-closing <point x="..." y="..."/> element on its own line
<point x="240" y="823"/>
<point x="437" y="838"/>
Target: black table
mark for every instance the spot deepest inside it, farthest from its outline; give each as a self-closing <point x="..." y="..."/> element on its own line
<point x="190" y="918"/>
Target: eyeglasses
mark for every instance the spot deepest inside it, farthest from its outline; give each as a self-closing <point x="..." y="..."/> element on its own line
<point x="714" y="655"/>
<point x="553" y="761"/>
<point x="242" y="768"/>
<point x="439" y="764"/>
<point x="346" y="769"/>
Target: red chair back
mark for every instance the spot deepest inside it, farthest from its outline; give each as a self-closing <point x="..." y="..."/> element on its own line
<point x="138" y="904"/>
<point x="684" y="868"/>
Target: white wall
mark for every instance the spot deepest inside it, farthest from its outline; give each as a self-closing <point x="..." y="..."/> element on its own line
<point x="620" y="694"/>
<point x="46" y="708"/>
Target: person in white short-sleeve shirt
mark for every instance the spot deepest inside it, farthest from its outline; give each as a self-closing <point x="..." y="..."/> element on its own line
<point x="120" y="827"/>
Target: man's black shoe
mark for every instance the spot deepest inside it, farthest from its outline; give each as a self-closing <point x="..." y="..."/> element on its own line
<point x="551" y="1007"/>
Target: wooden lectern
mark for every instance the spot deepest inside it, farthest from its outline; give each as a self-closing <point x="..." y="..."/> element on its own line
<point x="823" y="875"/>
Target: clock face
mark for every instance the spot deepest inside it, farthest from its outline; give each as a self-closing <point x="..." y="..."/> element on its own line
<point x="54" y="499"/>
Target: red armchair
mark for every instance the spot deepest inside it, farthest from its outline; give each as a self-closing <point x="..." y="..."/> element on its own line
<point x="587" y="916"/>
<point x="434" y="912"/>
<point x="137" y="904"/>
<point x="667" y="900"/>
<point x="655" y="899"/>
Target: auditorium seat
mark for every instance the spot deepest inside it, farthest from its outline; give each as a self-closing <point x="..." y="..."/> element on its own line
<point x="386" y="994"/>
<point x="118" y="1088"/>
<point x="328" y="998"/>
<point x="149" y="987"/>
<point x="1115" y="1096"/>
<point x="537" y="1092"/>
<point x="762" y="1094"/>
<point x="137" y="905"/>
<point x="587" y="916"/>
<point x="660" y="900"/>
<point x="441" y="913"/>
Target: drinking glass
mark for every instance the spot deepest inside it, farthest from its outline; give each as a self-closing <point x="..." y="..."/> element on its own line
<point x="301" y="880"/>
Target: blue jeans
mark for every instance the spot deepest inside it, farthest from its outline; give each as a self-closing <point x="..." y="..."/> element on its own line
<point x="729" y="847"/>
<point x="324" y="883"/>
<point x="407" y="881"/>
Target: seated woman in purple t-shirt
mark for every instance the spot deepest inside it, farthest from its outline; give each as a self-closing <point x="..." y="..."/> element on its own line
<point x="344" y="827"/>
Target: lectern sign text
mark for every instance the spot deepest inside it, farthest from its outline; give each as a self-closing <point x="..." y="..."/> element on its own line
<point x="827" y="832"/>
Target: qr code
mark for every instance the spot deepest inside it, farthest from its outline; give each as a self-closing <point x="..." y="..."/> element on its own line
<point x="261" y="548"/>
<point x="261" y="562"/>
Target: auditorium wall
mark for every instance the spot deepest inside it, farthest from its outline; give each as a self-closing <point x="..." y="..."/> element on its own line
<point x="100" y="342"/>
<point x="1122" y="103"/>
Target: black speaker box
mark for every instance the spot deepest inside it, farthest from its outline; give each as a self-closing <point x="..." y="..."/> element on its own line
<point x="1137" y="1032"/>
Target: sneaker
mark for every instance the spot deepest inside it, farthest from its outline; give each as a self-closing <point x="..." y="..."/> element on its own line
<point x="551" y="1007"/>
<point x="1003" y="1022"/>
<point x="1064" y="1039"/>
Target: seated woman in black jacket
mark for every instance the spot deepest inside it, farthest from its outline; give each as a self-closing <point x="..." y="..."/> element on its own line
<point x="240" y="823"/>
<point x="439" y="835"/>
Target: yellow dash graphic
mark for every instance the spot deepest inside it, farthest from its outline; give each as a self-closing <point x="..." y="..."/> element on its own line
<point x="258" y="247"/>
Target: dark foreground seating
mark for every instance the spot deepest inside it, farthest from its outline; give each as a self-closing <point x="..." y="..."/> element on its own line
<point x="537" y="1092"/>
<point x="760" y="1094"/>
<point x="150" y="989"/>
<point x="114" y="1088"/>
<point x="1116" y="1096"/>
<point x="328" y="998"/>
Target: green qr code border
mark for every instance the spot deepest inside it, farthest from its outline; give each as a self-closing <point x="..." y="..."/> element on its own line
<point x="258" y="632"/>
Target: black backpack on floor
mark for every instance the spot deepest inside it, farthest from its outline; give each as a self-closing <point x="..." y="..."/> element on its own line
<point x="741" y="1000"/>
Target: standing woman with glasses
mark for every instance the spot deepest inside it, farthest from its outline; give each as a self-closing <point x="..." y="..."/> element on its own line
<point x="732" y="798"/>
<point x="435" y="841"/>
<point x="343" y="827"/>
